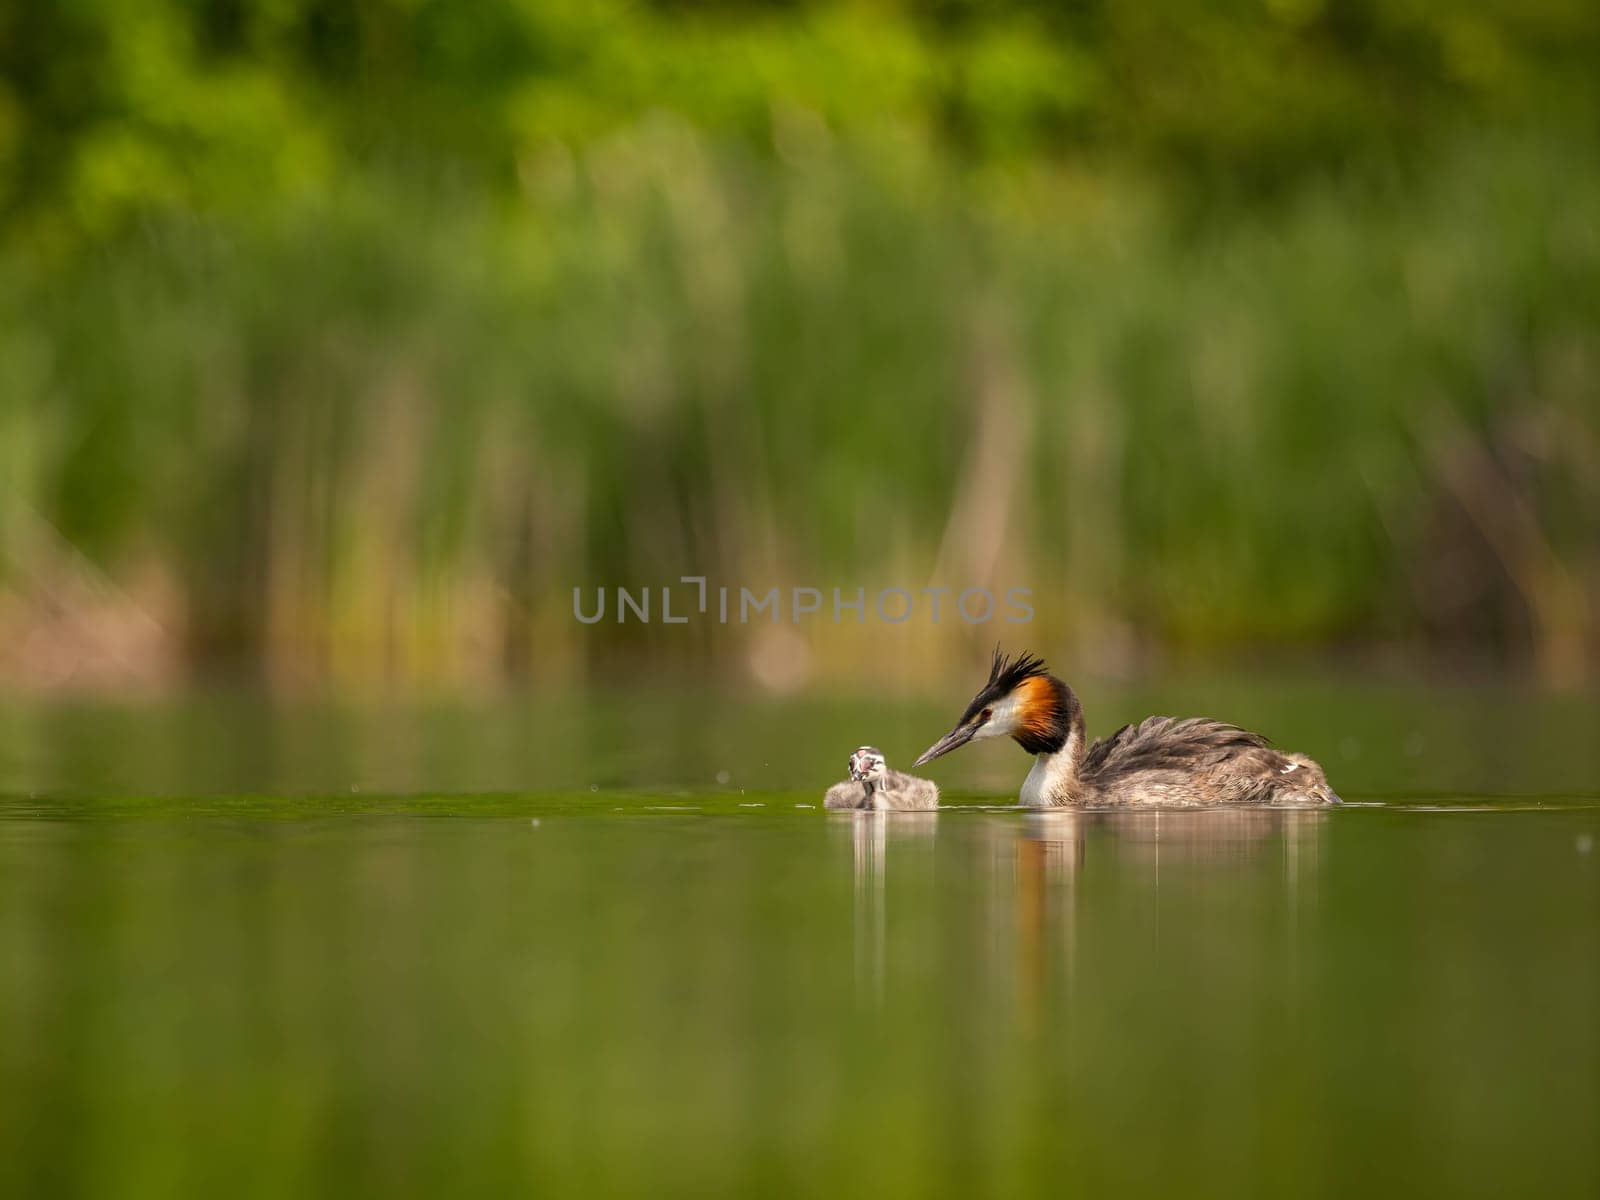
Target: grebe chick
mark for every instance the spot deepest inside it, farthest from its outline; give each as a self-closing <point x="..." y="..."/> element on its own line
<point x="1161" y="762"/>
<point x="872" y="785"/>
<point x="849" y="794"/>
<point x="891" y="791"/>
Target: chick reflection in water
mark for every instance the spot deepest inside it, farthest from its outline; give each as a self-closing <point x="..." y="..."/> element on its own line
<point x="871" y="835"/>
<point x="873" y="792"/>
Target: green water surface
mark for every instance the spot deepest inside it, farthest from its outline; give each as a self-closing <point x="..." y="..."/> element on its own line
<point x="609" y="946"/>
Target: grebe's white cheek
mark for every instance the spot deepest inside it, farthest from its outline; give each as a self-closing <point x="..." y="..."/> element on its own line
<point x="1002" y="720"/>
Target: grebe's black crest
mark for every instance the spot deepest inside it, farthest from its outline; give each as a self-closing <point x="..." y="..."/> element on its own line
<point x="1005" y="675"/>
<point x="1020" y="699"/>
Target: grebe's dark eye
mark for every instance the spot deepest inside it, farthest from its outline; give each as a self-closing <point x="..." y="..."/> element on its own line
<point x="986" y="714"/>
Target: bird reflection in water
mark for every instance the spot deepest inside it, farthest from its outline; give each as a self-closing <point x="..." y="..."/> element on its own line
<point x="1050" y="852"/>
<point x="871" y="834"/>
<point x="1037" y="863"/>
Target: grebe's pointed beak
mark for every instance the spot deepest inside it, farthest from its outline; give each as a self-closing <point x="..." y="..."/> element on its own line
<point x="957" y="737"/>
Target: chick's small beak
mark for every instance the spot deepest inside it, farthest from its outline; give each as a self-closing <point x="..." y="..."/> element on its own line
<point x="959" y="736"/>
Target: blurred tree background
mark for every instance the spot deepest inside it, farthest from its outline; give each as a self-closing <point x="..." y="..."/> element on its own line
<point x="341" y="339"/>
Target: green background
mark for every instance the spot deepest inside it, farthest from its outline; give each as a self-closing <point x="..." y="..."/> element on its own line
<point x="340" y="341"/>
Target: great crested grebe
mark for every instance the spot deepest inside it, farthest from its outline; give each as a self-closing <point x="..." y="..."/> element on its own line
<point x="1161" y="762"/>
<point x="873" y="785"/>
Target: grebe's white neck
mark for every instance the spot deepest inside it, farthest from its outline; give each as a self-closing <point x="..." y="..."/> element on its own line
<point x="1054" y="777"/>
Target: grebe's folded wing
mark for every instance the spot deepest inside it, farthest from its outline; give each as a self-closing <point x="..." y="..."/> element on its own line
<point x="1170" y="744"/>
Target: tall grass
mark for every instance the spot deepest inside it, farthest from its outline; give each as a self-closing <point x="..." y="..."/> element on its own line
<point x="382" y="435"/>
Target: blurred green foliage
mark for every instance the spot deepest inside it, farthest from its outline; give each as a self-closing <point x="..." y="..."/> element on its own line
<point x="349" y="336"/>
<point x="110" y="107"/>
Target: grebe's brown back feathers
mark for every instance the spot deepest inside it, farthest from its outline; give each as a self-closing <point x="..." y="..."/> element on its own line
<point x="1195" y="762"/>
<point x="1166" y="743"/>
